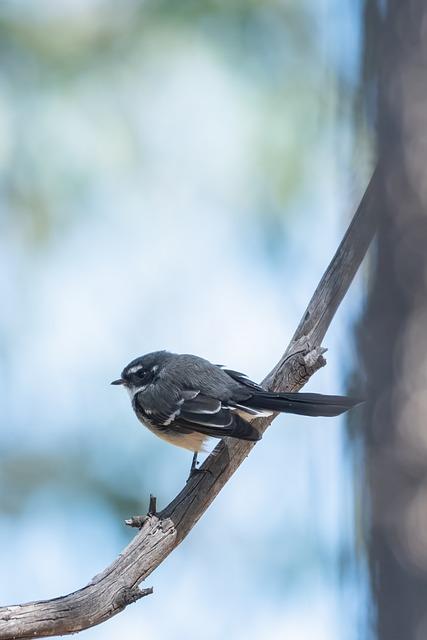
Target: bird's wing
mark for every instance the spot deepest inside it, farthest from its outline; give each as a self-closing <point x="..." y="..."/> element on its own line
<point x="242" y="378"/>
<point x="195" y="411"/>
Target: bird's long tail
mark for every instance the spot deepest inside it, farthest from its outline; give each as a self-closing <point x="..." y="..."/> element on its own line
<point x="305" y="404"/>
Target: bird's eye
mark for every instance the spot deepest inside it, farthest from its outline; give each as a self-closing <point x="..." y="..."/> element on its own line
<point x="141" y="374"/>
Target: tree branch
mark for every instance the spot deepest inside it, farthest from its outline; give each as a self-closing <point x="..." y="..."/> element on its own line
<point x="117" y="586"/>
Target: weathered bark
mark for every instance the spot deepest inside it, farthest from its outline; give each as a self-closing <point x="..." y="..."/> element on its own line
<point x="117" y="586"/>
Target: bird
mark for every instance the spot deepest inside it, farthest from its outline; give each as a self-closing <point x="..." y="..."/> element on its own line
<point x="185" y="400"/>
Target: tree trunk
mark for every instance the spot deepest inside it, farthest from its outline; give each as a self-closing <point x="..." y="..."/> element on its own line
<point x="393" y="335"/>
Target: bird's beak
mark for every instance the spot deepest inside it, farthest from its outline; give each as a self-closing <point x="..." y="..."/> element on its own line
<point x="119" y="381"/>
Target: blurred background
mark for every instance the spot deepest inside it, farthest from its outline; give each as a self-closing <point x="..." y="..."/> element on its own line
<point x="177" y="175"/>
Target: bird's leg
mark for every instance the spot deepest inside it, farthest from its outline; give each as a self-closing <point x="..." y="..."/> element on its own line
<point x="193" y="468"/>
<point x="193" y="463"/>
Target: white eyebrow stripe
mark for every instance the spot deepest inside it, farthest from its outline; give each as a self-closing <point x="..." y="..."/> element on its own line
<point x="136" y="368"/>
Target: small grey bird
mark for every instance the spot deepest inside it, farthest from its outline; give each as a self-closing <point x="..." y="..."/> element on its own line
<point x="185" y="399"/>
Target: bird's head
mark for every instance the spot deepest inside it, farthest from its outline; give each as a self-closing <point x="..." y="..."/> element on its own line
<point x="141" y="372"/>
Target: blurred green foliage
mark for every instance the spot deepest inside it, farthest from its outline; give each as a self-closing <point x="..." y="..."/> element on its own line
<point x="86" y="60"/>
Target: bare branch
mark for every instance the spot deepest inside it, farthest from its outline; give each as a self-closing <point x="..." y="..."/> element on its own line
<point x="117" y="586"/>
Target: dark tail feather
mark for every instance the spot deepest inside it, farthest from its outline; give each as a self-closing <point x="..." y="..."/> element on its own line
<point x="244" y="431"/>
<point x="305" y="404"/>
